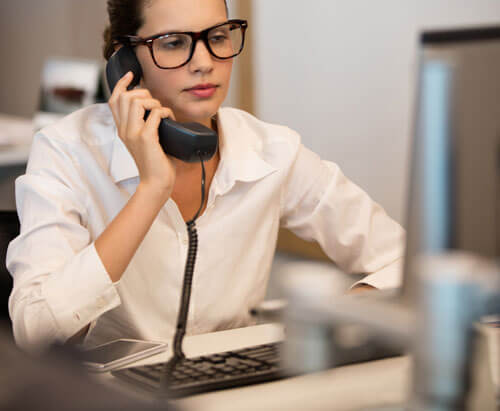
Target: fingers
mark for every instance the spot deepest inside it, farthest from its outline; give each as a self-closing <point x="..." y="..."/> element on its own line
<point x="120" y="88"/>
<point x="125" y="101"/>
<point x="135" y="117"/>
<point x="120" y="100"/>
<point x="121" y="85"/>
<point x="153" y="122"/>
<point x="129" y="108"/>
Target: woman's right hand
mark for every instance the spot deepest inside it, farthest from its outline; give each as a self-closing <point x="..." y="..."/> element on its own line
<point x="140" y="136"/>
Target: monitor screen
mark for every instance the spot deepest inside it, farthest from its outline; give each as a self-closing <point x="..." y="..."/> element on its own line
<point x="454" y="196"/>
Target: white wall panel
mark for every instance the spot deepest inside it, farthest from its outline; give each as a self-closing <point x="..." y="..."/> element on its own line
<point x="342" y="73"/>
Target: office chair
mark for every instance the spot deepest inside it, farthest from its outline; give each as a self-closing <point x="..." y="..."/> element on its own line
<point x="9" y="228"/>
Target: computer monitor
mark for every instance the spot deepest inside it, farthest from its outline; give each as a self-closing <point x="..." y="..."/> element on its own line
<point x="454" y="194"/>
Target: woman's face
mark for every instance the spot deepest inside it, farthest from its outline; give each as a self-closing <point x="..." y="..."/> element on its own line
<point x="172" y="87"/>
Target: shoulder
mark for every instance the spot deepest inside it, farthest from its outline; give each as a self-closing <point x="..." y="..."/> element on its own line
<point x="275" y="142"/>
<point x="92" y="125"/>
<point x="83" y="137"/>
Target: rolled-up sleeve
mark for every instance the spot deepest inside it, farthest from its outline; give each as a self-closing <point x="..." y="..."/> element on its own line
<point x="60" y="283"/>
<point x="321" y="204"/>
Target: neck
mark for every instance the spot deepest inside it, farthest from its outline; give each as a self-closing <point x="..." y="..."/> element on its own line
<point x="183" y="168"/>
<point x="209" y="122"/>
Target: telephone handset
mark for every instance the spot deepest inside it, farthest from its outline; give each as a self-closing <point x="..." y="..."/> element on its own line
<point x="189" y="142"/>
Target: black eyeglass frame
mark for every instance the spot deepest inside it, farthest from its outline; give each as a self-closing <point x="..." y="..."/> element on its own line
<point x="195" y="36"/>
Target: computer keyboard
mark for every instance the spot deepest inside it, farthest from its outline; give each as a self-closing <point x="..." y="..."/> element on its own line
<point x="190" y="376"/>
<point x="251" y="365"/>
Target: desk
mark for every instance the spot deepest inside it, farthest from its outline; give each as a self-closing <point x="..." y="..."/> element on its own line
<point x="354" y="387"/>
<point x="15" y="143"/>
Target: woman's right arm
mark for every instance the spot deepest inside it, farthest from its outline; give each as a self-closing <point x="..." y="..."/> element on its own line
<point x="156" y="171"/>
<point x="157" y="177"/>
<point x="63" y="279"/>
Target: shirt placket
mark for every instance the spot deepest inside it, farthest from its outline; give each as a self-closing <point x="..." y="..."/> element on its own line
<point x="180" y="228"/>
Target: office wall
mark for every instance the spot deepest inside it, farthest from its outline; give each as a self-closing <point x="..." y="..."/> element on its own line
<point x="32" y="30"/>
<point x="342" y="73"/>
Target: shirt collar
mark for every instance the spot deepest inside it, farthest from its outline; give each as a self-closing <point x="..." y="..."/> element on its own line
<point x="241" y="151"/>
<point x="241" y="154"/>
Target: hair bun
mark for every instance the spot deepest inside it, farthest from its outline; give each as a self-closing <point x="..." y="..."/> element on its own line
<point x="108" y="47"/>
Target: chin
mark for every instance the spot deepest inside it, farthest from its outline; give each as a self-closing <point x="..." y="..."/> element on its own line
<point x="199" y="114"/>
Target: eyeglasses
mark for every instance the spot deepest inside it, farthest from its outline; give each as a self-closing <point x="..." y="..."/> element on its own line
<point x="175" y="49"/>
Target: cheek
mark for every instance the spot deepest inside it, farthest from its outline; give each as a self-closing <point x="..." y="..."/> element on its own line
<point x="154" y="79"/>
<point x="226" y="70"/>
<point x="162" y="84"/>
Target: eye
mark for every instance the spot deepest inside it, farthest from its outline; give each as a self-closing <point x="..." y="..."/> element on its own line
<point x="218" y="38"/>
<point x="173" y="43"/>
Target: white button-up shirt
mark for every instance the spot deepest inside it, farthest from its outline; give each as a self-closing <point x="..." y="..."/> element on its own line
<point x="80" y="175"/>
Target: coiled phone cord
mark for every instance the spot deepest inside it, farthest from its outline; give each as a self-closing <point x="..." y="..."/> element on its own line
<point x="180" y="330"/>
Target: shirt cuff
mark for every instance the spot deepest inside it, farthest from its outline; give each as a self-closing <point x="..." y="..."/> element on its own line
<point x="80" y="293"/>
<point x="388" y="277"/>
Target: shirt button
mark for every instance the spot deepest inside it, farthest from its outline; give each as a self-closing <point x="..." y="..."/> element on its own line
<point x="76" y="316"/>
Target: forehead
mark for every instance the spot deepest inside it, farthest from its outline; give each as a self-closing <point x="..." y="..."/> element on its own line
<point x="181" y="15"/>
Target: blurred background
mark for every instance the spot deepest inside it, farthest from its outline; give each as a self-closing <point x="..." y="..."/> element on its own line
<point x="340" y="72"/>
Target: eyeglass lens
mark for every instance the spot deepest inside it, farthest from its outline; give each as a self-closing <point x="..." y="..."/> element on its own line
<point x="173" y="50"/>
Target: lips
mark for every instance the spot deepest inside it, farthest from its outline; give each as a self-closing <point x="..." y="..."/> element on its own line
<point x="203" y="90"/>
<point x="202" y="86"/>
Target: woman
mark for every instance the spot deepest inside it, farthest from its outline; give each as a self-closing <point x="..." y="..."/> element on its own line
<point x="103" y="242"/>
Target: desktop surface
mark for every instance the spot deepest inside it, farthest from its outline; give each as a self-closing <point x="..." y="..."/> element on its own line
<point x="360" y="386"/>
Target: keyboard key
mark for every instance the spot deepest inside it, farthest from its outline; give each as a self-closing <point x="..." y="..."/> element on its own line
<point x="206" y="373"/>
<point x="216" y="359"/>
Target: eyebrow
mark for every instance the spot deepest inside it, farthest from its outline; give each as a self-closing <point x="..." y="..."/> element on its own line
<point x="165" y="33"/>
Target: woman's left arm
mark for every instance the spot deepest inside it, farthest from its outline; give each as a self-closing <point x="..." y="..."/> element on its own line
<point x="321" y="204"/>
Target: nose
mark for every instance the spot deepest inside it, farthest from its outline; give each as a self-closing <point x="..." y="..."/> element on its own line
<point x="202" y="60"/>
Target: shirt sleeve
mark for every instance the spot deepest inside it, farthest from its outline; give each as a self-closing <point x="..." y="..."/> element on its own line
<point x="321" y="204"/>
<point x="60" y="283"/>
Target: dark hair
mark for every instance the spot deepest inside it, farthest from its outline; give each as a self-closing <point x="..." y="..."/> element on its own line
<point x="125" y="18"/>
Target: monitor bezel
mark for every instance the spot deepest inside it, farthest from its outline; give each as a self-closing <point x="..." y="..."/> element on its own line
<point x="460" y="35"/>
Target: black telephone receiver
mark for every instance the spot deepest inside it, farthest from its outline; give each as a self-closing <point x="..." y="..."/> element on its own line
<point x="189" y="142"/>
